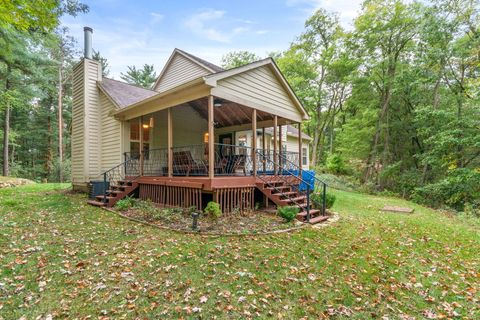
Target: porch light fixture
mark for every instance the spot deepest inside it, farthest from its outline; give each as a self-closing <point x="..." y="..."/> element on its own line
<point x="205" y="137"/>
<point x="217" y="102"/>
<point x="145" y="126"/>
<point x="152" y="122"/>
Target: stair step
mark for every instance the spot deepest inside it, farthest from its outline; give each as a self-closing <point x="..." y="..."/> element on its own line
<point x="318" y="219"/>
<point x="115" y="191"/>
<point x="303" y="214"/>
<point x="286" y="193"/>
<point x="296" y="199"/>
<point x="107" y="197"/>
<point x="96" y="203"/>
<point x="277" y="188"/>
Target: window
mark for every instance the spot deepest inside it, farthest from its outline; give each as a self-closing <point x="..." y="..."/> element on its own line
<point x="135" y="137"/>
<point x="304" y="156"/>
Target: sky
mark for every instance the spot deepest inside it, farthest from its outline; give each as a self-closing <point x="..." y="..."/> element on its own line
<point x="136" y="32"/>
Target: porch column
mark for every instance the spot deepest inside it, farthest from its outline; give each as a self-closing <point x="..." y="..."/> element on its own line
<point x="300" y="148"/>
<point x="142" y="156"/>
<point x="254" y="141"/>
<point x="211" y="150"/>
<point x="275" y="138"/>
<point x="263" y="151"/>
<point x="170" y="142"/>
<point x="280" y="150"/>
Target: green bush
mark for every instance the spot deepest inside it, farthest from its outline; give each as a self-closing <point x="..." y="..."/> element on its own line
<point x="317" y="200"/>
<point x="212" y="210"/>
<point x="460" y="187"/>
<point x="288" y="213"/>
<point x="125" y="204"/>
<point x="335" y="164"/>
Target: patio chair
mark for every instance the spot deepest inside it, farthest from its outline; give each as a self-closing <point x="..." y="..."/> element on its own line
<point x="184" y="164"/>
<point x="240" y="163"/>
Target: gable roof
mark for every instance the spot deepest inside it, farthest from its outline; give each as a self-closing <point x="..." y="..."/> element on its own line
<point x="204" y="63"/>
<point x="123" y="94"/>
<point x="208" y="66"/>
<point x="212" y="79"/>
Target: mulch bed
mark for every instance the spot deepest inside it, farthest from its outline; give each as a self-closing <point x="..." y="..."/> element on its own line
<point x="256" y="222"/>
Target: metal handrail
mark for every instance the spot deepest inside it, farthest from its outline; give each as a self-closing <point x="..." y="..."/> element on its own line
<point x="112" y="172"/>
<point x="317" y="181"/>
<point x="290" y="173"/>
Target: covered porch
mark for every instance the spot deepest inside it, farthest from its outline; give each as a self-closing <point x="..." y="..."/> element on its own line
<point x="179" y="142"/>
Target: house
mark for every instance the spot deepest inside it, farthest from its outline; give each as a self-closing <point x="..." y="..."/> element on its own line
<point x="200" y="134"/>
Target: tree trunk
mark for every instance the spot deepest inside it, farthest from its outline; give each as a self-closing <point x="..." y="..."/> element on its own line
<point x="60" y="121"/>
<point x="48" y="160"/>
<point x="6" y="131"/>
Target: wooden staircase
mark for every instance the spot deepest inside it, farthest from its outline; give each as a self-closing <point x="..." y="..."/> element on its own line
<point x="283" y="193"/>
<point x="116" y="192"/>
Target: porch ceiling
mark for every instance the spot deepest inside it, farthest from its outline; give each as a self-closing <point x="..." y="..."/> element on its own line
<point x="229" y="113"/>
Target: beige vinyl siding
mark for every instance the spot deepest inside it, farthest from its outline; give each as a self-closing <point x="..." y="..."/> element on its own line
<point x="111" y="135"/>
<point x="292" y="146"/>
<point x="188" y="127"/>
<point x="261" y="87"/>
<point x="290" y="142"/>
<point x="78" y="124"/>
<point x="180" y="70"/>
<point x="86" y="123"/>
<point x="92" y="118"/>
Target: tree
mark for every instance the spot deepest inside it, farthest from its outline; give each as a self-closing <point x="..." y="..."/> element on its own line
<point x="144" y="77"/>
<point x="238" y="58"/>
<point x="318" y="67"/>
<point x="63" y="52"/>
<point x="22" y="22"/>
<point x="26" y="15"/>
<point x="103" y="62"/>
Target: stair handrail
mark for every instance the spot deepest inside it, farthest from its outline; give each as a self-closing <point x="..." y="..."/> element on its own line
<point x="298" y="177"/>
<point x="317" y="181"/>
<point x="122" y="165"/>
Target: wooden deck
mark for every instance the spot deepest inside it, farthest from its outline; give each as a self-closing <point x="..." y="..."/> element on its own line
<point x="232" y="193"/>
<point x="204" y="183"/>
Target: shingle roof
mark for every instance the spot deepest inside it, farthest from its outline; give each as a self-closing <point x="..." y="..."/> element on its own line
<point x="209" y="65"/>
<point x="124" y="94"/>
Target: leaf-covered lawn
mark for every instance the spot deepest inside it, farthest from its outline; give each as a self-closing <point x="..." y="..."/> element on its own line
<point x="60" y="258"/>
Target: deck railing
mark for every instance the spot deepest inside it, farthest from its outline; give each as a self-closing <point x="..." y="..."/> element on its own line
<point x="192" y="160"/>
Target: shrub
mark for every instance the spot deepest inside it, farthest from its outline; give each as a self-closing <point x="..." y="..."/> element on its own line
<point x="335" y="164"/>
<point x="212" y="210"/>
<point x="460" y="187"/>
<point x="288" y="213"/>
<point x="317" y="200"/>
<point x="125" y="204"/>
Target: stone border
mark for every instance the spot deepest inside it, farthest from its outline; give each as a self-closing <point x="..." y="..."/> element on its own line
<point x="334" y="218"/>
<point x="209" y="234"/>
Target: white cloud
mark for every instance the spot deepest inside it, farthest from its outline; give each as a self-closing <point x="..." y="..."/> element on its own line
<point x="156" y="17"/>
<point x="123" y="45"/>
<point x="261" y="32"/>
<point x="347" y="9"/>
<point x="201" y="25"/>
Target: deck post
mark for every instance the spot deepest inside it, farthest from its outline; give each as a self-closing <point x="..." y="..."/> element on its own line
<point x="263" y="151"/>
<point x="280" y="150"/>
<point x="211" y="150"/>
<point x="299" y="149"/>
<point x="141" y="146"/>
<point x="254" y="141"/>
<point x="170" y="142"/>
<point x="275" y="138"/>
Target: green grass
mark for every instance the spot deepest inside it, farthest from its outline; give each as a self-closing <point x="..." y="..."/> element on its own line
<point x="63" y="258"/>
